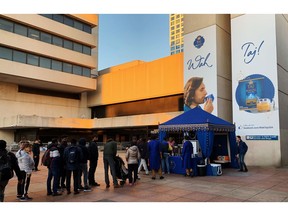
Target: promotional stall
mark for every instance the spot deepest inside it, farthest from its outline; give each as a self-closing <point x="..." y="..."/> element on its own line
<point x="216" y="137"/>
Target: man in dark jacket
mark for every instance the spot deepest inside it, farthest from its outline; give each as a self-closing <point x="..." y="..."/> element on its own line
<point x="36" y="153"/>
<point x="53" y="169"/>
<point x="12" y="161"/>
<point x="93" y="159"/>
<point x="72" y="157"/>
<point x="143" y="149"/>
<point x="83" y="165"/>
<point x="242" y="149"/>
<point x="61" y="149"/>
<point x="109" y="153"/>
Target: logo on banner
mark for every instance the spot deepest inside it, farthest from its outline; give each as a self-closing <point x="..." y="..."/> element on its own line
<point x="199" y="41"/>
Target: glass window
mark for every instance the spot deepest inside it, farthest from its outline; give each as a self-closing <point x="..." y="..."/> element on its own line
<point x="45" y="62"/>
<point x="32" y="33"/>
<point x="56" y="65"/>
<point x="33" y="59"/>
<point x="6" y="25"/>
<point x="78" y="25"/>
<point x="77" y="70"/>
<point x="87" y="28"/>
<point x="58" y="17"/>
<point x="77" y="47"/>
<point x="86" y="72"/>
<point x="57" y="41"/>
<point x="45" y="37"/>
<point x="86" y="50"/>
<point x="19" y="56"/>
<point x="20" y="29"/>
<point x="67" y="67"/>
<point x="68" y="44"/>
<point x="172" y="18"/>
<point x="68" y="21"/>
<point x="5" y="53"/>
<point x="50" y="16"/>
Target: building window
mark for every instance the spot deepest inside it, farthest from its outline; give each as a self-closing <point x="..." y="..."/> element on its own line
<point x="58" y="18"/>
<point x="45" y="37"/>
<point x="57" y="41"/>
<point x="86" y="72"/>
<point x="32" y="60"/>
<point x="5" y="53"/>
<point x="56" y="65"/>
<point x="86" y="50"/>
<point x="20" y="29"/>
<point x="6" y="25"/>
<point x="78" y="25"/>
<point x="77" y="47"/>
<point x="68" y="44"/>
<point x="34" y="34"/>
<point x="68" y="21"/>
<point x="45" y="62"/>
<point x="19" y="56"/>
<point x="77" y="70"/>
<point x="67" y="67"/>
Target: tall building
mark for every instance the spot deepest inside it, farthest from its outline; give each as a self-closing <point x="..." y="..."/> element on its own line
<point x="47" y="65"/>
<point x="176" y="33"/>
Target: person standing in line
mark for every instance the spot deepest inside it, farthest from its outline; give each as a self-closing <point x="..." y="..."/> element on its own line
<point x="143" y="149"/>
<point x="93" y="161"/>
<point x="171" y="143"/>
<point x="165" y="157"/>
<point x="9" y="157"/>
<point x="53" y="169"/>
<point x="109" y="154"/>
<point x="132" y="156"/>
<point x="72" y="157"/>
<point x="62" y="176"/>
<point x="36" y="153"/>
<point x="242" y="150"/>
<point x="83" y="166"/>
<point x="186" y="156"/>
<point x="155" y="157"/>
<point x="26" y="165"/>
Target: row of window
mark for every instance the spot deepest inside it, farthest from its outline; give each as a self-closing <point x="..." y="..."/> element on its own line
<point x="43" y="36"/>
<point x="177" y="51"/>
<point x="66" y="20"/>
<point x="177" y="47"/>
<point x="40" y="61"/>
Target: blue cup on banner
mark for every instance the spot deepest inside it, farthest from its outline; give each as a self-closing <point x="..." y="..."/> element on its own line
<point x="210" y="96"/>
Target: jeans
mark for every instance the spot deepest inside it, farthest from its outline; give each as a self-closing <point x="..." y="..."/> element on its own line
<point x="165" y="163"/>
<point x="91" y="173"/>
<point x="109" y="162"/>
<point x="55" y="174"/>
<point x="75" y="179"/>
<point x="242" y="163"/>
<point x="36" y="161"/>
<point x="83" y="169"/>
<point x="132" y="168"/>
<point x="143" y="163"/>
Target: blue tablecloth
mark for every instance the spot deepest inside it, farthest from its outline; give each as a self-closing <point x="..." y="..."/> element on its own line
<point x="175" y="163"/>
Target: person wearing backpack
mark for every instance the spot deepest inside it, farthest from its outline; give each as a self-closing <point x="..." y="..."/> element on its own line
<point x="93" y="161"/>
<point x="242" y="150"/>
<point x="53" y="169"/>
<point x="72" y="157"/>
<point x="8" y="164"/>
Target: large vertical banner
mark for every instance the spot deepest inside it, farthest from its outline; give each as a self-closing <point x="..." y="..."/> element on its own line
<point x="200" y="70"/>
<point x="254" y="77"/>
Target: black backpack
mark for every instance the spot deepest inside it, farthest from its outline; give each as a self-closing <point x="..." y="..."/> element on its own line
<point x="72" y="155"/>
<point x="6" y="171"/>
<point x="46" y="159"/>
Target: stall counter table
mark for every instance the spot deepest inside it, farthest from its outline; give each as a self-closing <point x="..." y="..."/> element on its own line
<point x="176" y="167"/>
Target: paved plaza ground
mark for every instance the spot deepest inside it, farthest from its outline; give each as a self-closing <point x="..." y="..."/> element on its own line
<point x="260" y="184"/>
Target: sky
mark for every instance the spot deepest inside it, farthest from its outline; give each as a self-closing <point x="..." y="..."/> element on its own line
<point x="127" y="37"/>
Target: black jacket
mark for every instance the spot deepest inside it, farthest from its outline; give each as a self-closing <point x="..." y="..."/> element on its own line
<point x="143" y="149"/>
<point x="13" y="162"/>
<point x="93" y="152"/>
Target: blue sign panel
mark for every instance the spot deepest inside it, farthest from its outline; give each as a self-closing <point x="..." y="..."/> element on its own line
<point x="261" y="137"/>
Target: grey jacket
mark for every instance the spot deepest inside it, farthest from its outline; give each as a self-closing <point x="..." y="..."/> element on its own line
<point x="133" y="155"/>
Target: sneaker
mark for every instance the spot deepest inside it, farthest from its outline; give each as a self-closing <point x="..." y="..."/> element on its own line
<point x="153" y="178"/>
<point x="28" y="198"/>
<point x="95" y="184"/>
<point x="161" y="177"/>
<point x="80" y="188"/>
<point x="107" y="186"/>
<point x="87" y="189"/>
<point x="68" y="192"/>
<point x="57" y="194"/>
<point x="19" y="196"/>
<point x="23" y="198"/>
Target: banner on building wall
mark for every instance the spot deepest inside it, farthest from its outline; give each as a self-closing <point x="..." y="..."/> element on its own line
<point x="200" y="70"/>
<point x="254" y="77"/>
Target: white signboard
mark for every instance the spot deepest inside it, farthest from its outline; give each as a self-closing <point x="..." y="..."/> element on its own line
<point x="200" y="70"/>
<point x="254" y="77"/>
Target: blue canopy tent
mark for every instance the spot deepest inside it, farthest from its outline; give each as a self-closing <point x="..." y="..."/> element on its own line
<point x="205" y="125"/>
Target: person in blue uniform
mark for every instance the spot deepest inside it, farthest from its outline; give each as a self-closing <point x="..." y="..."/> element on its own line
<point x="186" y="156"/>
<point x="154" y="152"/>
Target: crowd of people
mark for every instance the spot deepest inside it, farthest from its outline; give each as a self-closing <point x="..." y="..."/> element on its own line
<point x="65" y="160"/>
